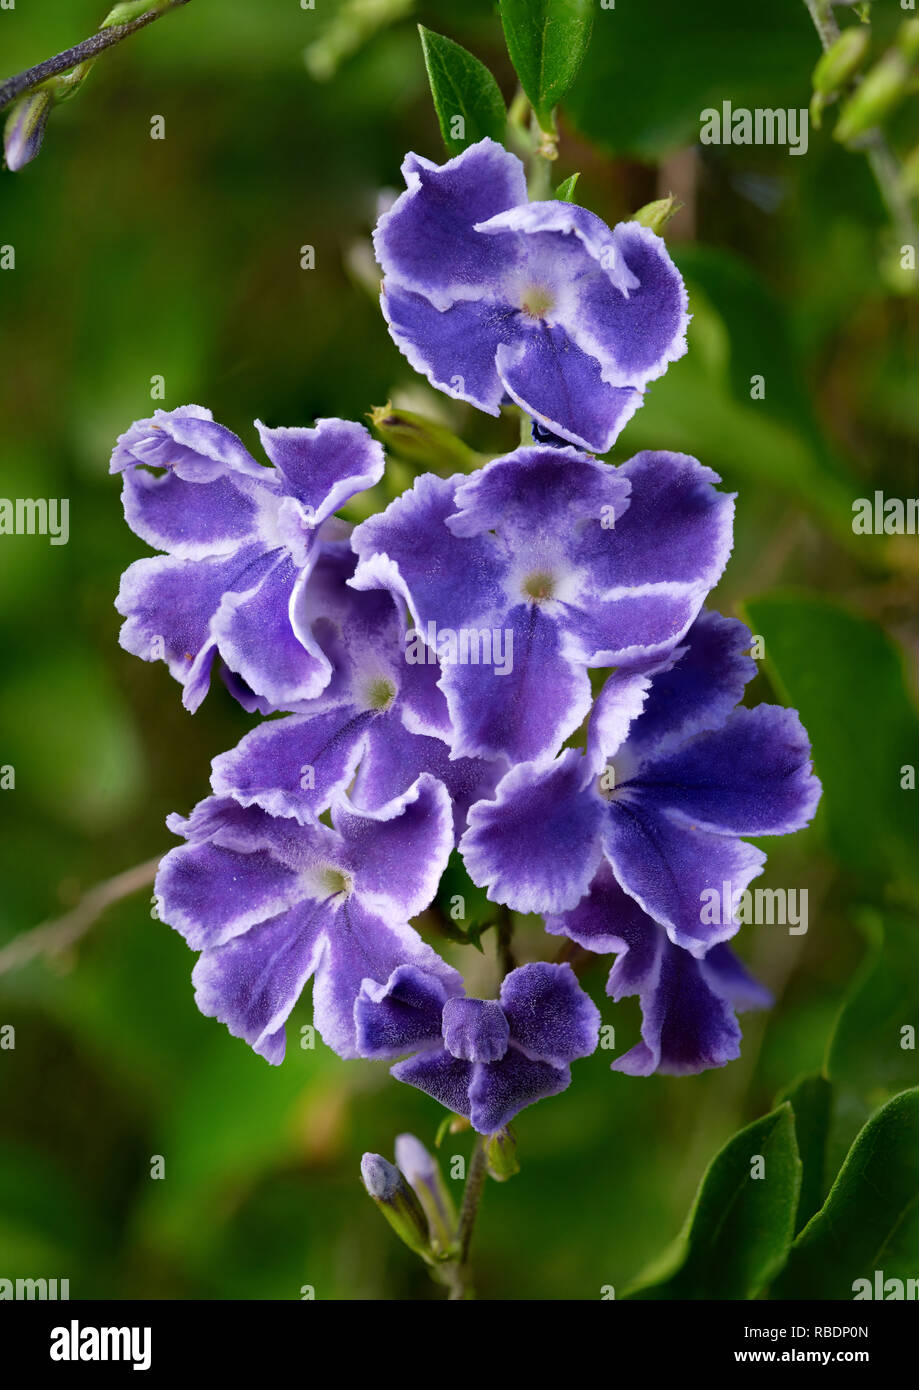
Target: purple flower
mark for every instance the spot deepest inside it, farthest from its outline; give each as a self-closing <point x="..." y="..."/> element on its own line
<point x="663" y="800"/>
<point x="240" y="541"/>
<point x="687" y="1002"/>
<point x="381" y="718"/>
<point x="482" y="1058"/>
<point x="492" y="297"/>
<point x="559" y="562"/>
<point x="270" y="903"/>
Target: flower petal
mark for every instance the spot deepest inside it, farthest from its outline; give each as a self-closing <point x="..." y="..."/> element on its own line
<point x="294" y="766"/>
<point x="398" y="852"/>
<point x="561" y="386"/>
<point x="323" y="467"/>
<point x="190" y="520"/>
<point x="170" y="605"/>
<point x="439" y="1075"/>
<point x="189" y="442"/>
<point x="751" y="777"/>
<point x="670" y="868"/>
<point x="550" y="1017"/>
<point x="499" y="1090"/>
<point x="252" y="982"/>
<point x="524" y="707"/>
<point x="697" y="690"/>
<point x="402" y="1015"/>
<point x="210" y="893"/>
<point x="453" y="347"/>
<point x="536" y="846"/>
<point x="425" y="242"/>
<point x="257" y="638"/>
<point x="637" y="335"/>
<point x="361" y="945"/>
<point x="440" y="577"/>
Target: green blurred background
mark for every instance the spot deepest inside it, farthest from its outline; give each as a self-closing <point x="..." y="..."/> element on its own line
<point x="138" y="258"/>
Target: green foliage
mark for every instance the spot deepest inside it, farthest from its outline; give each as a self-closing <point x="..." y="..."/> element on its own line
<point x="847" y="680"/>
<point x="467" y="99"/>
<point x="547" y="40"/>
<point x="740" y="1228"/>
<point x="870" y="1220"/>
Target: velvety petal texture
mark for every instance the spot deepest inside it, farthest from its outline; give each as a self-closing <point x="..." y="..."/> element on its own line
<point x="493" y="297"/>
<point x="665" y="809"/>
<point x="240" y="540"/>
<point x="271" y="903"/>
<point x="483" y="1058"/>
<point x="688" y="1004"/>
<point x="542" y="564"/>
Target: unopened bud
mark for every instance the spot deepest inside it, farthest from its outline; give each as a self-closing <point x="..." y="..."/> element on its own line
<point x="842" y="59"/>
<point x="419" y="440"/>
<point x="501" y="1154"/>
<point x="396" y="1200"/>
<point x="883" y="87"/>
<point x="656" y="215"/>
<point x="423" y="1172"/>
<point x="25" y="128"/>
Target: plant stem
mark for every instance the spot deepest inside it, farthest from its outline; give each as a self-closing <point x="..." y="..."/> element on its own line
<point x="52" y="937"/>
<point x="880" y="157"/>
<point x="457" y="1274"/>
<point x="14" y="87"/>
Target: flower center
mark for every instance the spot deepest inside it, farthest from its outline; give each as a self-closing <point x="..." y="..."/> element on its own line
<point x="336" y="882"/>
<point x="381" y="693"/>
<point x="539" y="585"/>
<point x="536" y="302"/>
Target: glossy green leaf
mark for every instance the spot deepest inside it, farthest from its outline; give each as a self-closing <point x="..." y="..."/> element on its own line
<point x="870" y="1221"/>
<point x="547" y="41"/>
<point x="846" y="678"/>
<point x="565" y="190"/>
<point x="873" y="1051"/>
<point x="811" y="1099"/>
<point x="468" y="103"/>
<point x="739" y="1231"/>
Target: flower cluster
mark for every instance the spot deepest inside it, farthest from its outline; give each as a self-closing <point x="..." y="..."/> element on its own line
<point x="431" y="668"/>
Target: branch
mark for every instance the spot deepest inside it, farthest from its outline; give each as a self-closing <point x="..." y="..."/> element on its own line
<point x="14" y="87"/>
<point x="54" y="936"/>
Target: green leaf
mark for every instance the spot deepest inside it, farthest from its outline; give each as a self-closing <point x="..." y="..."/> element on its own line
<point x="811" y="1099"/>
<point x="565" y="190"/>
<point x="870" y="1221"/>
<point x="846" y="678"/>
<point x="468" y="103"/>
<point x="867" y="1053"/>
<point x="739" y="1231"/>
<point x="547" y="40"/>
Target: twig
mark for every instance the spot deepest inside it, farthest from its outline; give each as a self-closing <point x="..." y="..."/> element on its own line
<point x="54" y="936"/>
<point x="14" y="87"/>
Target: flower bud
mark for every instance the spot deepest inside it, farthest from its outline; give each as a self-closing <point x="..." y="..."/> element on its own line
<point x="396" y="1200"/>
<point x="656" y="215"/>
<point x="842" y="59"/>
<point x="501" y="1154"/>
<point x="423" y="1172"/>
<point x="883" y="87"/>
<point x="422" y="441"/>
<point x="25" y="128"/>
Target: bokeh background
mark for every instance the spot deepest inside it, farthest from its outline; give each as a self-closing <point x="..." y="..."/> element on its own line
<point x="138" y="258"/>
